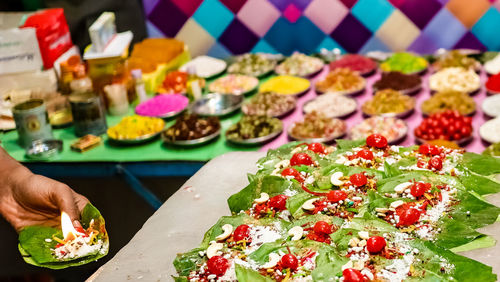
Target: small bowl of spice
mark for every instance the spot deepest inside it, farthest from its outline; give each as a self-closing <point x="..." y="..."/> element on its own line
<point x="286" y="85"/>
<point x="406" y="63"/>
<point x="190" y="129"/>
<point x="316" y="127"/>
<point x="455" y="58"/>
<point x="300" y="65"/>
<point x="163" y="106"/>
<point x="331" y="105"/>
<point x="254" y="130"/>
<point x="491" y="106"/>
<point x="449" y="100"/>
<point x="270" y="104"/>
<point x="493" y="84"/>
<point x="405" y="83"/>
<point x="363" y="65"/>
<point x="455" y="79"/>
<point x="258" y="65"/>
<point x="394" y="129"/>
<point x="136" y="129"/>
<point x="234" y="84"/>
<point x="389" y="102"/>
<point x="342" y="81"/>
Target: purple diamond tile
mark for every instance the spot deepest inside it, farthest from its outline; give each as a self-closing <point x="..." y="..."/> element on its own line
<point x="149" y="5"/>
<point x="237" y="38"/>
<point x="469" y="41"/>
<point x="351" y="34"/>
<point x="443" y="2"/>
<point x="188" y="7"/>
<point x="454" y="29"/>
<point x="292" y="13"/>
<point x="280" y="4"/>
<point x="168" y="25"/>
<point x="301" y="4"/>
<point x="423" y="45"/>
<point x="233" y="5"/>
<point x="420" y="12"/>
<point x="349" y="3"/>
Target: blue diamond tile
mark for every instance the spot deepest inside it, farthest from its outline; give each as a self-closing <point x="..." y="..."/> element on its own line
<point x="281" y="36"/>
<point x="263" y="47"/>
<point x="213" y="16"/>
<point x="454" y="29"/>
<point x="374" y="44"/>
<point x="486" y="29"/>
<point x="219" y="51"/>
<point x="329" y="44"/>
<point x="372" y="13"/>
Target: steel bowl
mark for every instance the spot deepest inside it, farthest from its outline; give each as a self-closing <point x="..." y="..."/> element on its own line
<point x="141" y="139"/>
<point x="338" y="116"/>
<point x="216" y="104"/>
<point x="193" y="142"/>
<point x="325" y="140"/>
<point x="256" y="141"/>
<point x="44" y="149"/>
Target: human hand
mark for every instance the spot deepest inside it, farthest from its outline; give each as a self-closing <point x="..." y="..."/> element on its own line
<point x="29" y="199"/>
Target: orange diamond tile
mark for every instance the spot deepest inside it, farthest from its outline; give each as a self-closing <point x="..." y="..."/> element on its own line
<point x="468" y="11"/>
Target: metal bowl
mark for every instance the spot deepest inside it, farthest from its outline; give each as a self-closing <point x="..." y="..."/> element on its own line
<point x="193" y="142"/>
<point x="338" y="116"/>
<point x="307" y="75"/>
<point x="278" y="115"/>
<point x="409" y="91"/>
<point x="216" y="104"/>
<point x="44" y="149"/>
<point x="256" y="141"/>
<point x="403" y="114"/>
<point x="247" y="92"/>
<point x="326" y="140"/>
<point x="489" y="112"/>
<point x="138" y="140"/>
<point x="394" y="141"/>
<point x="487" y="127"/>
<point x="353" y="92"/>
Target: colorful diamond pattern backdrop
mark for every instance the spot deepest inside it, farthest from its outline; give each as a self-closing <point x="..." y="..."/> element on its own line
<point x="224" y="27"/>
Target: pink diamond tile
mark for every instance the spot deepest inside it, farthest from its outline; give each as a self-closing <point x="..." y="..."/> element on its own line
<point x="497" y="4"/>
<point x="188" y="7"/>
<point x="292" y="13"/>
<point x="259" y="16"/>
<point x="326" y="14"/>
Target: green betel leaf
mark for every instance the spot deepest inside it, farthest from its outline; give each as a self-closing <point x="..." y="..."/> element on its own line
<point x="187" y="262"/>
<point x="244" y="274"/>
<point x="479" y="184"/>
<point x="481" y="164"/>
<point x="344" y="145"/>
<point x="37" y="250"/>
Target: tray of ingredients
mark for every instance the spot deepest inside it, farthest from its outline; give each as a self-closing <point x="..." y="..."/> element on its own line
<point x="286" y="85"/>
<point x="316" y="127"/>
<point x="163" y="106"/>
<point x="270" y="104"/>
<point x="406" y="63"/>
<point x="342" y="81"/>
<point x="205" y="66"/>
<point x="331" y="105"/>
<point x="449" y="100"/>
<point x="190" y="129"/>
<point x="448" y="125"/>
<point x="389" y="102"/>
<point x="254" y="130"/>
<point x="234" y="84"/>
<point x="394" y="129"/>
<point x="136" y="129"/>
<point x="363" y="65"/>
<point x="216" y="104"/>
<point x="407" y="84"/>
<point x="300" y="65"/>
<point x="258" y="65"/>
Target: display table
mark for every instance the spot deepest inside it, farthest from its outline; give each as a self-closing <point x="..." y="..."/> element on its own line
<point x="180" y="223"/>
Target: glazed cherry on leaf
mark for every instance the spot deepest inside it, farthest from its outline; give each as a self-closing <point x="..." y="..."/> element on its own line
<point x="241" y="232"/>
<point x="408" y="216"/>
<point x="365" y="154"/>
<point x="436" y="163"/>
<point x="290" y="171"/>
<point x="429" y="149"/>
<point x="336" y="195"/>
<point x="289" y="261"/>
<point x="358" y="179"/>
<point x="278" y="202"/>
<point x="318" y="148"/>
<point x="352" y="275"/>
<point x="217" y="265"/>
<point x="418" y="189"/>
<point x="301" y="159"/>
<point x="322" y="227"/>
<point x="376" y="141"/>
<point x="375" y="244"/>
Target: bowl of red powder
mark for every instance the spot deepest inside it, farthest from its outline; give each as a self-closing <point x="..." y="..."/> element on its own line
<point x="365" y="66"/>
<point x="493" y="84"/>
<point x="163" y="106"/>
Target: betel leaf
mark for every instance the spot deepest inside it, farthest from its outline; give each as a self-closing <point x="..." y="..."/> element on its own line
<point x="344" y="145"/>
<point x="245" y="274"/>
<point x="272" y="185"/>
<point x="483" y="242"/>
<point x="187" y="262"/>
<point x="479" y="183"/>
<point x="36" y="250"/>
<point x="481" y="164"/>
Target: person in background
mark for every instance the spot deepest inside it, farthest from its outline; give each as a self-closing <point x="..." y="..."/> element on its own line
<point x="30" y="199"/>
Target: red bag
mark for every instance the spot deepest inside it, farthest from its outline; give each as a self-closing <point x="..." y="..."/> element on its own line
<point x="52" y="33"/>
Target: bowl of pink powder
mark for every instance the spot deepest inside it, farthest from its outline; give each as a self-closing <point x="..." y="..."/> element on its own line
<point x="163" y="106"/>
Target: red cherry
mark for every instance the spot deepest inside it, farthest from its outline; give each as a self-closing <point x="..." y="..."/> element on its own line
<point x="429" y="149"/>
<point x="290" y="171"/>
<point x="358" y="179"/>
<point x="365" y="154"/>
<point x="418" y="189"/>
<point x="301" y="159"/>
<point x="318" y="148"/>
<point x="352" y="275"/>
<point x="278" y="202"/>
<point x="322" y="227"/>
<point x="336" y="195"/>
<point x="436" y="163"/>
<point x="376" y="141"/>
<point x="289" y="261"/>
<point x="408" y="216"/>
<point x="217" y="265"/>
<point x="241" y="232"/>
<point x="375" y="244"/>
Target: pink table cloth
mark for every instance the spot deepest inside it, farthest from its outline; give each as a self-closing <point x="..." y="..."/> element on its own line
<point x="476" y="145"/>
